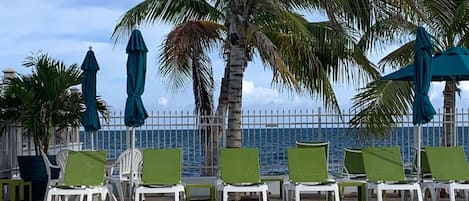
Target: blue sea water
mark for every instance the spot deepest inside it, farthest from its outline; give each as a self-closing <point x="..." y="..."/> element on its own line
<point x="272" y="144"/>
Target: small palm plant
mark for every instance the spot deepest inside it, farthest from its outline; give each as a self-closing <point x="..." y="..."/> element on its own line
<point x="42" y="102"/>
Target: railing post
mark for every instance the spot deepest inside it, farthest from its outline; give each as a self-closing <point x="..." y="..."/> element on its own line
<point x="319" y="124"/>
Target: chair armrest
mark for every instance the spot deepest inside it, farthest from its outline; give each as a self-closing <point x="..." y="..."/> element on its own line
<point x="109" y="170"/>
<point x="54" y="166"/>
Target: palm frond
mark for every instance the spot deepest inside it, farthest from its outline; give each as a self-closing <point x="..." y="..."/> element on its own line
<point x="186" y="42"/>
<point x="184" y="58"/>
<point x="398" y="58"/>
<point x="340" y="55"/>
<point x="272" y="58"/>
<point x="166" y="11"/>
<point x="387" y="31"/>
<point x="381" y="104"/>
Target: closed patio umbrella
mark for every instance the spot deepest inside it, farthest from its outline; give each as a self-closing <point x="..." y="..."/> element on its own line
<point x="423" y="110"/>
<point x="421" y="72"/>
<point x="89" y="118"/>
<point x="135" y="113"/>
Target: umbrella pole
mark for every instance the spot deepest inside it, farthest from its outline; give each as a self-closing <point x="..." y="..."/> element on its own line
<point x="92" y="141"/>
<point x="419" y="148"/>
<point x="131" y="182"/>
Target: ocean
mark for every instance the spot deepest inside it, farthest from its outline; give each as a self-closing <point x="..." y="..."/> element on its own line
<point x="272" y="144"/>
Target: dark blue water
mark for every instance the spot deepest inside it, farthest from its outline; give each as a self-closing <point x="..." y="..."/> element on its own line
<point x="271" y="143"/>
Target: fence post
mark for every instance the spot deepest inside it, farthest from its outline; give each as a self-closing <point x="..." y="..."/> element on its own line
<point x="319" y="125"/>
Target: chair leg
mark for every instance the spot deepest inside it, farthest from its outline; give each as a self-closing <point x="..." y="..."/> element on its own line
<point x="49" y="197"/>
<point x="379" y="194"/>
<point x="419" y="195"/>
<point x="137" y="196"/>
<point x="176" y="196"/>
<point x="264" y="195"/>
<point x="433" y="193"/>
<point x="336" y="194"/>
<point x="119" y="189"/>
<point x="297" y="195"/>
<point x="466" y="195"/>
<point x="412" y="195"/>
<point x="367" y="192"/>
<point x="452" y="194"/>
<point x="285" y="194"/>
<point x="89" y="196"/>
<point x="225" y="195"/>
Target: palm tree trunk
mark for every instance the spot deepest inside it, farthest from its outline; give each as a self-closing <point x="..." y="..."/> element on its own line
<point x="235" y="89"/>
<point x="212" y="158"/>
<point x="237" y="57"/>
<point x="448" y="116"/>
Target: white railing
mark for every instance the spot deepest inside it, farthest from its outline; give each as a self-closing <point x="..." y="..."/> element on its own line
<point x="271" y="131"/>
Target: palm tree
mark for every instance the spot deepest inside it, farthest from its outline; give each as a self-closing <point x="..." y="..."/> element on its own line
<point x="383" y="103"/>
<point x="303" y="56"/>
<point x="42" y="102"/>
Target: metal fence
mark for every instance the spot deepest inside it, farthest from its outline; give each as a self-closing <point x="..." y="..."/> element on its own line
<point x="271" y="131"/>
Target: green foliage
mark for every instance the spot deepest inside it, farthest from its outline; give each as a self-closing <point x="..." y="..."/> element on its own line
<point x="42" y="102"/>
<point x="387" y="101"/>
<point x="383" y="103"/>
<point x="304" y="57"/>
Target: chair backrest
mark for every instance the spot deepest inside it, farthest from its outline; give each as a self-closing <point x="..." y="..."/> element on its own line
<point x="125" y="161"/>
<point x="162" y="166"/>
<point x="307" y="164"/>
<point x="424" y="167"/>
<point x="48" y="165"/>
<point x="61" y="159"/>
<point x="383" y="164"/>
<point x="447" y="163"/>
<point x="240" y="165"/>
<point x="324" y="145"/>
<point x="85" y="168"/>
<point x="353" y="162"/>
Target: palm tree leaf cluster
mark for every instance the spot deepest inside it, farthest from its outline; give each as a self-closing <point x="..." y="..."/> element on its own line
<point x="305" y="57"/>
<point x="302" y="55"/>
<point x="386" y="101"/>
<point x="43" y="102"/>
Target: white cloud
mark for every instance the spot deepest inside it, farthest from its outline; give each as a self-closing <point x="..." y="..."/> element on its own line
<point x="65" y="29"/>
<point x="252" y="93"/>
<point x="163" y="101"/>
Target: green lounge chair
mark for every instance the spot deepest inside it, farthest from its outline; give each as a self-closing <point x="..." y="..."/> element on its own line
<point x="84" y="176"/>
<point x="307" y="170"/>
<point x="353" y="172"/>
<point x="353" y="167"/>
<point x="449" y="170"/>
<point x="240" y="172"/>
<point x="384" y="171"/>
<point x="161" y="173"/>
<point x="312" y="144"/>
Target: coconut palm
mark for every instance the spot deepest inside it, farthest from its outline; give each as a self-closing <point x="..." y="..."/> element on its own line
<point x="383" y="103"/>
<point x="303" y="56"/>
<point x="42" y="102"/>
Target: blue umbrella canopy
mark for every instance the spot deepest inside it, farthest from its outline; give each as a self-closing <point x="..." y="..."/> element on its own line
<point x="89" y="118"/>
<point x="452" y="64"/>
<point x="135" y="113"/>
<point x="423" y="110"/>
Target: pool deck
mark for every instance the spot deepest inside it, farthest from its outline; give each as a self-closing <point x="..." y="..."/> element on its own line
<point x="350" y="195"/>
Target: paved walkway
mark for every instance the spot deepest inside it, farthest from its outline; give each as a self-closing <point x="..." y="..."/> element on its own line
<point x="351" y="196"/>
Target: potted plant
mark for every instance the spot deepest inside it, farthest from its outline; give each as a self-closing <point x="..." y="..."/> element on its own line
<point x="42" y="103"/>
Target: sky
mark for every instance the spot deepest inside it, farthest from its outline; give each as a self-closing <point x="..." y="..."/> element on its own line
<point x="65" y="29"/>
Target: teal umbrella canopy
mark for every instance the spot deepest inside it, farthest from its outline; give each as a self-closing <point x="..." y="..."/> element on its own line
<point x="89" y="118"/>
<point x="135" y="113"/>
<point x="423" y="110"/>
<point x="452" y="64"/>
